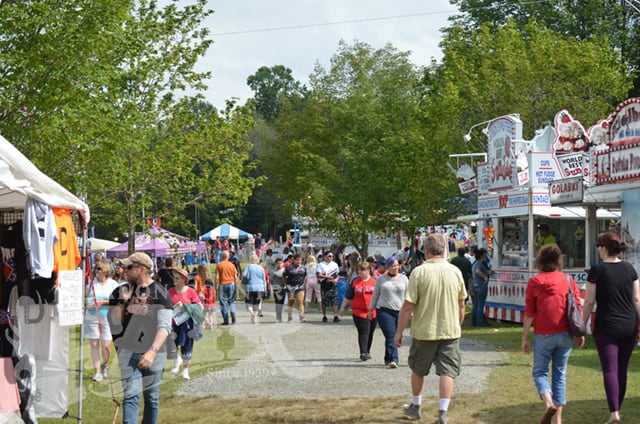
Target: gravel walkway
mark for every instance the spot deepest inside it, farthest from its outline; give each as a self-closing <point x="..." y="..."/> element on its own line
<point x="321" y="360"/>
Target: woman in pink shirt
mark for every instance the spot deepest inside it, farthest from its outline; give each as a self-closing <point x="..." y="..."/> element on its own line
<point x="546" y="310"/>
<point x="182" y="296"/>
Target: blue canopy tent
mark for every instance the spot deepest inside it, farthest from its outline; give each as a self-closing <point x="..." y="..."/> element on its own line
<point x="225" y="231"/>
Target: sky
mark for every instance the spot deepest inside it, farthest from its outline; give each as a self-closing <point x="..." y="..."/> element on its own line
<point x="241" y="46"/>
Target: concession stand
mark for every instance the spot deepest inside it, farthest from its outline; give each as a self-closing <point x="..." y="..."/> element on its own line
<point x="527" y="184"/>
<point x="615" y="166"/>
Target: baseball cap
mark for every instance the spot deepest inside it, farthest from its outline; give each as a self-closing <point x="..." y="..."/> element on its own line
<point x="138" y="258"/>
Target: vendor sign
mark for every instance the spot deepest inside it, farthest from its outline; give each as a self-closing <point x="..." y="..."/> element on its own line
<point x="625" y="123"/>
<point x="501" y="155"/>
<point x="570" y="146"/>
<point x="466" y="178"/>
<point x="568" y="190"/>
<point x="619" y="159"/>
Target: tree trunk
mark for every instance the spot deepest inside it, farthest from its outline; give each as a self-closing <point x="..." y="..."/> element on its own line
<point x="365" y="246"/>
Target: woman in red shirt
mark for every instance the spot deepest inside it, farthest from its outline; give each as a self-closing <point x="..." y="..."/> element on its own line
<point x="546" y="310"/>
<point x="359" y="295"/>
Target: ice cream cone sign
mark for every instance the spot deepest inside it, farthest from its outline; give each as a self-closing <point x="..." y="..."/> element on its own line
<point x="489" y="230"/>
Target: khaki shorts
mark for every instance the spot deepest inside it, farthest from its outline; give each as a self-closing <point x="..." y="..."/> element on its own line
<point x="444" y="354"/>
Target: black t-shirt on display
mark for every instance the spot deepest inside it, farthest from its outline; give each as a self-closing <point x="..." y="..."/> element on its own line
<point x="615" y="314"/>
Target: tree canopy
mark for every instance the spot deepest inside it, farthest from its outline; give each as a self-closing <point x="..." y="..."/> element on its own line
<point x="90" y="84"/>
<point x="343" y="155"/>
<point x="272" y="86"/>
<point x="617" y="22"/>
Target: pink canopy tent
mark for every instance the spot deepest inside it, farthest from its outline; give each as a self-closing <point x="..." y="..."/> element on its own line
<point x="158" y="242"/>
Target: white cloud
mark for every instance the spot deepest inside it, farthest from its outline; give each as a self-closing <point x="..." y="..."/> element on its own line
<point x="233" y="57"/>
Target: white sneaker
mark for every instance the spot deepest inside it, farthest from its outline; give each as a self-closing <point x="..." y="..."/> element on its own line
<point x="185" y="374"/>
<point x="97" y="376"/>
<point x="176" y="365"/>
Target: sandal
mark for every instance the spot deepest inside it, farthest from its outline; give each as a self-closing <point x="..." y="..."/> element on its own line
<point x="546" y="418"/>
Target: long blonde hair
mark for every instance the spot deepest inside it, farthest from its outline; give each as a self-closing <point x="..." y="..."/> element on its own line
<point x="203" y="272"/>
<point x="311" y="261"/>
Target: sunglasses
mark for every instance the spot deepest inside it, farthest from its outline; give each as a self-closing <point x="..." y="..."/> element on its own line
<point x="98" y="269"/>
<point x="129" y="267"/>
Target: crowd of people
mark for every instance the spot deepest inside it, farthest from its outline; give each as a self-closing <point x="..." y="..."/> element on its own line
<point x="152" y="316"/>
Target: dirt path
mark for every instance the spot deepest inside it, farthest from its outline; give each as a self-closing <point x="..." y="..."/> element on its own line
<point x="320" y="360"/>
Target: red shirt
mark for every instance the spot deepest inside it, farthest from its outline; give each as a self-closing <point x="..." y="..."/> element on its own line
<point x="188" y="297"/>
<point x="546" y="302"/>
<point x="360" y="293"/>
<point x="209" y="296"/>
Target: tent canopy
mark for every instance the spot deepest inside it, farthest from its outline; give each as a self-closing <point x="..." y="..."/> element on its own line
<point x="100" y="245"/>
<point x="225" y="231"/>
<point x="20" y="180"/>
<point x="158" y="242"/>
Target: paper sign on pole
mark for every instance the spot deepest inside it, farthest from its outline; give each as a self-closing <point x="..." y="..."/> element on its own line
<point x="70" y="297"/>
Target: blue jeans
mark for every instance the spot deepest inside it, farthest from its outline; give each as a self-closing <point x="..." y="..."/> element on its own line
<point x="227" y="301"/>
<point x="480" y="291"/>
<point x="136" y="381"/>
<point x="554" y="348"/>
<point x="388" y="322"/>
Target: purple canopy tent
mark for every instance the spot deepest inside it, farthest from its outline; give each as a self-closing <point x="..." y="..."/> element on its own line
<point x="158" y="242"/>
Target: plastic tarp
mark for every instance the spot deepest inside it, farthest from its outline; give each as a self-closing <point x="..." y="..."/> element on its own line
<point x="158" y="242"/>
<point x="225" y="231"/>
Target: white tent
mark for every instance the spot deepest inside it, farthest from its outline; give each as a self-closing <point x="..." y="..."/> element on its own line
<point x="21" y="180"/>
<point x="101" y="246"/>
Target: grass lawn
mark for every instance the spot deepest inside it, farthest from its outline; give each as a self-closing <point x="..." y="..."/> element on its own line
<point x="510" y="398"/>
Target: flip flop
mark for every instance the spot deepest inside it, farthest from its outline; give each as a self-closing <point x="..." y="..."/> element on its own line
<point x="546" y="418"/>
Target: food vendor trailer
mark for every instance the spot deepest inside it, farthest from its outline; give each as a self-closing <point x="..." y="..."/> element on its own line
<point x="615" y="167"/>
<point x="514" y="199"/>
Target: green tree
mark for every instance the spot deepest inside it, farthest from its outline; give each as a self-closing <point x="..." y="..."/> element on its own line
<point x="87" y="91"/>
<point x="56" y="59"/>
<point x="614" y="20"/>
<point x="345" y="153"/>
<point x="272" y="86"/>
<point x="195" y="157"/>
<point x="532" y="71"/>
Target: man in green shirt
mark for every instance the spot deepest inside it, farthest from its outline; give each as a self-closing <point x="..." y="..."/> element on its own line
<point x="435" y="297"/>
<point x="544" y="236"/>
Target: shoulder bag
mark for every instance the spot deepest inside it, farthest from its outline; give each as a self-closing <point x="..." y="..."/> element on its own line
<point x="574" y="316"/>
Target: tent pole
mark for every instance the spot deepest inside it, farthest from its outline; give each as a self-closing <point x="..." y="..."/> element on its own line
<point x="80" y="356"/>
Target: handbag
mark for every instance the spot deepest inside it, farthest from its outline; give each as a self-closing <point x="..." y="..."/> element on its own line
<point x="574" y="316"/>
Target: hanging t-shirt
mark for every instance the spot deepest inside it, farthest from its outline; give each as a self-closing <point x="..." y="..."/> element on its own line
<point x="39" y="233"/>
<point x="65" y="251"/>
